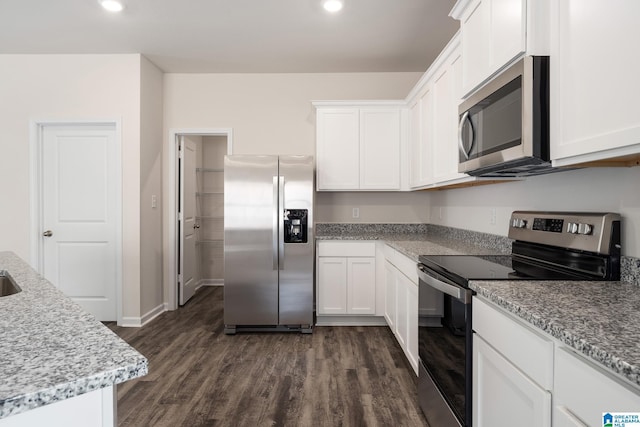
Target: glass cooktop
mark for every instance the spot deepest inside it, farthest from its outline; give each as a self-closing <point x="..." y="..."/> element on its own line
<point x="462" y="268"/>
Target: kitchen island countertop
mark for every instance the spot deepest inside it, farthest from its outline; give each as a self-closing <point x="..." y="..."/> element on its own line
<point x="51" y="349"/>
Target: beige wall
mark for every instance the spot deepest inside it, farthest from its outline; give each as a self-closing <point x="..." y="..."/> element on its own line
<point x="374" y="207"/>
<point x="269" y="113"/>
<point x="272" y="114"/>
<point x="77" y="87"/>
<point x="151" y="291"/>
<point x="594" y="189"/>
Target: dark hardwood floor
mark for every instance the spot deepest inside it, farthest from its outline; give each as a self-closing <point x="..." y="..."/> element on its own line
<point x="198" y="376"/>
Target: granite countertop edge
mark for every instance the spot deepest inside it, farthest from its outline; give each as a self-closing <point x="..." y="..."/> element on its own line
<point x="52" y="349"/>
<point x="32" y="400"/>
<point x="560" y="331"/>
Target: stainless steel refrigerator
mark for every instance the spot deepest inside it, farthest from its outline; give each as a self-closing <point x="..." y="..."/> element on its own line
<point x="268" y="243"/>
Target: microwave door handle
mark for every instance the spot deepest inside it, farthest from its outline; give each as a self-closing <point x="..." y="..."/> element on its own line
<point x="463" y="150"/>
<point x="455" y="291"/>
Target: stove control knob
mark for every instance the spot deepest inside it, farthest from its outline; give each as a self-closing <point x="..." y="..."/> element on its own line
<point x="572" y="228"/>
<point x="585" y="229"/>
<point x="518" y="223"/>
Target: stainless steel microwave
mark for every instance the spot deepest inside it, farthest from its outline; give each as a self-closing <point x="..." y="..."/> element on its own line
<point x="503" y="127"/>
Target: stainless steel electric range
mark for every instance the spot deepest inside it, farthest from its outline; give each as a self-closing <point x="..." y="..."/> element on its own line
<point x="547" y="246"/>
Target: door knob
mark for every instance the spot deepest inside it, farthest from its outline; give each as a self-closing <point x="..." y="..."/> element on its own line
<point x="48" y="233"/>
<point x="196" y="225"/>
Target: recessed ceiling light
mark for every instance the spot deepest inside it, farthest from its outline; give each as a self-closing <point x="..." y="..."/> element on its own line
<point x="112" y="5"/>
<point x="332" y="5"/>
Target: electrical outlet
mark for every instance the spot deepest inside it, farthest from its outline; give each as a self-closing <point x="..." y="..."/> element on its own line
<point x="356" y="212"/>
<point x="492" y="218"/>
<point x="154" y="201"/>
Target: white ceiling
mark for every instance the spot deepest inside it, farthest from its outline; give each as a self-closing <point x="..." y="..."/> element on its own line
<point x="237" y="36"/>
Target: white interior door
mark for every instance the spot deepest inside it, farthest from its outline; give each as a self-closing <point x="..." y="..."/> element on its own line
<point x="188" y="224"/>
<point x="80" y="220"/>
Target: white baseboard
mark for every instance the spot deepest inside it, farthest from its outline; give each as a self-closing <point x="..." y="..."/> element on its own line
<point x="137" y="322"/>
<point x="351" y="321"/>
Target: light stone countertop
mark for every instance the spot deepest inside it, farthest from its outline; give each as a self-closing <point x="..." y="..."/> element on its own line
<point x="601" y="320"/>
<point x="51" y="349"/>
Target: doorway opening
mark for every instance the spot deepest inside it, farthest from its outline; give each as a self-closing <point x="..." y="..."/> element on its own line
<point x="196" y="216"/>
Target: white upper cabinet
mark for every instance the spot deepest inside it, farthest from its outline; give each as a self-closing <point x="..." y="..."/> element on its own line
<point x="446" y="96"/>
<point x="433" y="122"/>
<point x="338" y="148"/>
<point x="380" y="134"/>
<point x="421" y="138"/>
<point x="495" y="32"/>
<point x="358" y="147"/>
<point x="594" y="81"/>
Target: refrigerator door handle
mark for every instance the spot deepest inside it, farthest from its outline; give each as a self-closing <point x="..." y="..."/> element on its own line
<point x="274" y="226"/>
<point x="281" y="222"/>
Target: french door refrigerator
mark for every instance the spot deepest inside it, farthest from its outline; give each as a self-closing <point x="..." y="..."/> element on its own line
<point x="268" y="243"/>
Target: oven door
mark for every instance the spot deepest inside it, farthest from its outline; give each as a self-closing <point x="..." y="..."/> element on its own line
<point x="444" y="347"/>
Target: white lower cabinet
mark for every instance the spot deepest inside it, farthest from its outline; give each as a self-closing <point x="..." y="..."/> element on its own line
<point x="402" y="304"/>
<point x="502" y="394"/>
<point x="390" y="307"/>
<point x="346" y="278"/>
<point x="519" y="371"/>
<point x="332" y="285"/>
<point x="92" y="409"/>
<point x="583" y="392"/>
<point x="412" y="325"/>
<point x="512" y="371"/>
<point x="361" y="289"/>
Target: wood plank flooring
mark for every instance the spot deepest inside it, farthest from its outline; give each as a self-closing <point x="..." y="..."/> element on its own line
<point x="198" y="376"/>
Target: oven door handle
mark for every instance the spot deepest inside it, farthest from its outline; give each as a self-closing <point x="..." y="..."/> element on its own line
<point x="456" y="292"/>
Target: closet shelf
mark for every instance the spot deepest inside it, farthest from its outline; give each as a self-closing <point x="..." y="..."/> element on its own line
<point x="209" y="193"/>
<point x="209" y="170"/>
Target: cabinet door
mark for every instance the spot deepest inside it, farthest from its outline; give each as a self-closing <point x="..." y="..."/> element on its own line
<point x="563" y="417"/>
<point x="390" y="295"/>
<point x="586" y="391"/>
<point x="415" y="141"/>
<point x="420" y="149"/>
<point x="361" y="285"/>
<point x="412" y="325"/>
<point x="476" y="37"/>
<point x="380" y="148"/>
<point x="445" y="141"/>
<point x="508" y="23"/>
<point x="332" y="285"/>
<point x="402" y="297"/>
<point x="501" y="392"/>
<point x="338" y="148"/>
<point x="594" y="80"/>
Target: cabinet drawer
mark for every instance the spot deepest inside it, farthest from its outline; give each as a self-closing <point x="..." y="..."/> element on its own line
<point x="340" y="248"/>
<point x="585" y="391"/>
<point x="528" y="350"/>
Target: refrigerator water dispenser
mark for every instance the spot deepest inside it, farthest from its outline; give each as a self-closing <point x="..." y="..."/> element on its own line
<point x="295" y="226"/>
